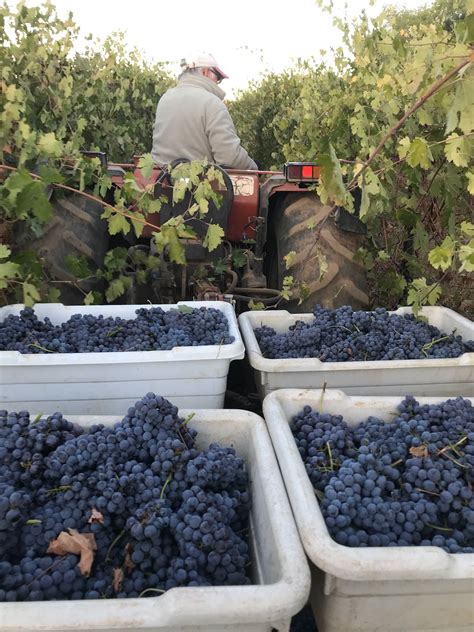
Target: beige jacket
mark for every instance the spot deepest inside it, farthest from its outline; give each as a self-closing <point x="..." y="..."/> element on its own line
<point x="192" y="122"/>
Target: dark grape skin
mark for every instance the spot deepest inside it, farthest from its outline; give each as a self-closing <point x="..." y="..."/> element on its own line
<point x="153" y="329"/>
<point x="407" y="482"/>
<point x="345" y="335"/>
<point x="139" y="487"/>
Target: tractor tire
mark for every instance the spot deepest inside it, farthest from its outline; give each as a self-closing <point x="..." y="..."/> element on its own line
<point x="343" y="283"/>
<point x="76" y="229"/>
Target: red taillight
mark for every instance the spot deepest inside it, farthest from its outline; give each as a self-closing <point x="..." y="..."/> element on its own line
<point x="302" y="172"/>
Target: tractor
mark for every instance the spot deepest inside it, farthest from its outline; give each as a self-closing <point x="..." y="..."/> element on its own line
<point x="265" y="215"/>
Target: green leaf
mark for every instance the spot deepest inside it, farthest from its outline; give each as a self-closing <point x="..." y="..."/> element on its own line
<point x="115" y="290"/>
<point x="420" y="293"/>
<point x="49" y="145"/>
<point x="30" y="294"/>
<point x="9" y="270"/>
<point x="220" y="266"/>
<point x="185" y="309"/>
<point x="146" y="165"/>
<point x="441" y="257"/>
<point x="420" y="238"/>
<point x="287" y="286"/>
<point x="50" y="175"/>
<point x="77" y="266"/>
<point x="239" y="258"/>
<point x="5" y="251"/>
<point x="256" y="305"/>
<point x="54" y="295"/>
<point x="419" y="154"/>
<point x="457" y="150"/>
<point x="383" y="256"/>
<point x="118" y="224"/>
<point x="168" y="236"/>
<point x="333" y="188"/>
<point x="466" y="227"/>
<point x="213" y="237"/>
<point x="466" y="257"/>
<point x="289" y="259"/>
<point x="404" y="147"/>
<point x="323" y="264"/>
<point x="470" y="179"/>
<point x="461" y="112"/>
<point x="33" y="198"/>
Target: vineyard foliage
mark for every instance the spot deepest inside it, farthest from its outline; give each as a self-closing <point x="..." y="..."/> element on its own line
<point x="390" y="112"/>
<point x="416" y="178"/>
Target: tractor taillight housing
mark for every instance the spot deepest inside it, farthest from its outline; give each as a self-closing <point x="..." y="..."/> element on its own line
<point x="302" y="171"/>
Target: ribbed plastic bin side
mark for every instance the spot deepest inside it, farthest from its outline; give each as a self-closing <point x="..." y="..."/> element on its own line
<point x="450" y="377"/>
<point x="402" y="589"/>
<point x="280" y="573"/>
<point x="107" y="383"/>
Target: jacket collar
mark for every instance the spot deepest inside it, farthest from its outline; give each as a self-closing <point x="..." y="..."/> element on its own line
<point x="198" y="81"/>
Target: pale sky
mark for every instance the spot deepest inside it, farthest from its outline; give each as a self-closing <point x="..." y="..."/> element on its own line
<point x="246" y="36"/>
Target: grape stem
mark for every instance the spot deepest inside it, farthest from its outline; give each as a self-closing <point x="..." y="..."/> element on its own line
<point x="147" y="590"/>
<point x="168" y="480"/>
<point x="109" y="550"/>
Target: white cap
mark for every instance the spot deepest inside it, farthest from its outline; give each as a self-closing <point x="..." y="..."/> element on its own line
<point x="202" y="60"/>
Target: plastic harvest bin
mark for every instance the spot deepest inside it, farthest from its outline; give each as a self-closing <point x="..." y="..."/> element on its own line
<point x="373" y="589"/>
<point x="280" y="572"/>
<point x="107" y="383"/>
<point x="452" y="376"/>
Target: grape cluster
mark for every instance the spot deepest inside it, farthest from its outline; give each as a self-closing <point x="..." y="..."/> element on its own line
<point x="345" y="335"/>
<point x="405" y="482"/>
<point x="161" y="512"/>
<point x="152" y="330"/>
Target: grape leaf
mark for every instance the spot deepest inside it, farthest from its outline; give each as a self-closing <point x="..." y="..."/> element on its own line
<point x="33" y="198"/>
<point x="54" y="295"/>
<point x="4" y="251"/>
<point x="441" y="257"/>
<point x="30" y="294"/>
<point x="115" y="289"/>
<point x="82" y="544"/>
<point x="467" y="228"/>
<point x="118" y="224"/>
<point x="213" y="237"/>
<point x="457" y="150"/>
<point x="466" y="257"/>
<point x="470" y="179"/>
<point x="49" y="145"/>
<point x="289" y="259"/>
<point x="419" y="154"/>
<point x="146" y="164"/>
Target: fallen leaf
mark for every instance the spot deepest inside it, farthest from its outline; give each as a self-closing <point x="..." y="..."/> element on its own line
<point x="96" y="516"/>
<point x="118" y="579"/>
<point x="421" y="451"/>
<point x="129" y="563"/>
<point x="82" y="544"/>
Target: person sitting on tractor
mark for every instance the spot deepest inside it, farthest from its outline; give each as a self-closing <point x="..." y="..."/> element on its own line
<point x="192" y="121"/>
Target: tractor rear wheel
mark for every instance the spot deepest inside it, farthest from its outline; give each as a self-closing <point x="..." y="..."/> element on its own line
<point x="321" y="247"/>
<point x="78" y="230"/>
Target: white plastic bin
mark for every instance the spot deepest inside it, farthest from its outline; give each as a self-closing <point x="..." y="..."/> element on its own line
<point x="107" y="383"/>
<point x="281" y="577"/>
<point x="374" y="589"/>
<point x="450" y="377"/>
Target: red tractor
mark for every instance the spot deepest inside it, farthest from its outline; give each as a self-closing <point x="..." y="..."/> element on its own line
<point x="264" y="215"/>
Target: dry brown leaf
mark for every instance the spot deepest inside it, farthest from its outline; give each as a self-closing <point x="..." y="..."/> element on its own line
<point x="82" y="544"/>
<point x="421" y="451"/>
<point x="96" y="516"/>
<point x="129" y="563"/>
<point x="118" y="579"/>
